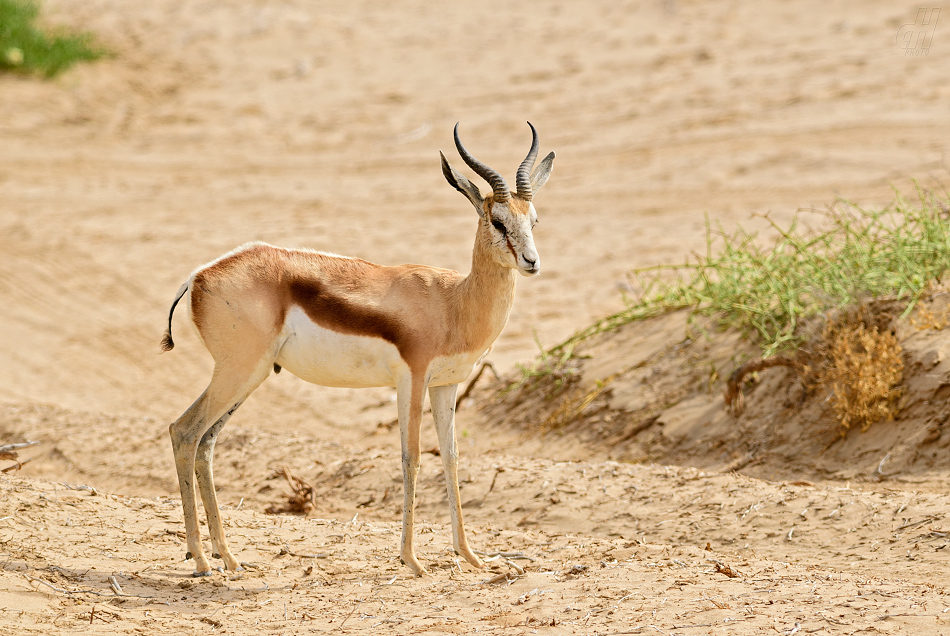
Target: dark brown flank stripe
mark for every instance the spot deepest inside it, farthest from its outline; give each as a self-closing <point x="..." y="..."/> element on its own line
<point x="338" y="314"/>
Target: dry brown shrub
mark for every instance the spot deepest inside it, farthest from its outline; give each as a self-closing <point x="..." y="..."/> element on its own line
<point x="864" y="371"/>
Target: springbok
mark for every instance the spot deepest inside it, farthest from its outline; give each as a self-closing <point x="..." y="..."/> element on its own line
<point x="345" y="322"/>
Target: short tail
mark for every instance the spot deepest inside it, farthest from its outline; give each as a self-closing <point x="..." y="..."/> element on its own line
<point x="167" y="343"/>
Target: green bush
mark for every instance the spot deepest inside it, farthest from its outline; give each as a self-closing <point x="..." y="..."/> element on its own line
<point x="26" y="49"/>
<point x="768" y="290"/>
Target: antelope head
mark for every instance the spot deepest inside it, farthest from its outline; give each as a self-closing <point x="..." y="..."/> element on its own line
<point x="507" y="219"/>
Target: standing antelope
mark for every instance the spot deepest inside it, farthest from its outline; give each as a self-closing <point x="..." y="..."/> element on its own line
<point x="340" y="321"/>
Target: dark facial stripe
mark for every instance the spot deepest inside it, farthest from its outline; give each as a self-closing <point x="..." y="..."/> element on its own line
<point x="511" y="249"/>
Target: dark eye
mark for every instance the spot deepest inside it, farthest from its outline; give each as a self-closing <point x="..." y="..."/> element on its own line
<point x="498" y="225"/>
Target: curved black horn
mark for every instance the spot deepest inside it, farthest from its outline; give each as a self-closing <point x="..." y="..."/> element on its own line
<point x="495" y="180"/>
<point x="523" y="179"/>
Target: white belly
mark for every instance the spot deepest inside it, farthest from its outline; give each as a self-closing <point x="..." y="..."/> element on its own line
<point x="329" y="358"/>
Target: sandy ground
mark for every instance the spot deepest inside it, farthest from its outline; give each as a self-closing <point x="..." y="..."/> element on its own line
<point x="220" y="123"/>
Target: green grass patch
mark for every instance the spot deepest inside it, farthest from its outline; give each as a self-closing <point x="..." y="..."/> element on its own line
<point x="769" y="288"/>
<point x="25" y="48"/>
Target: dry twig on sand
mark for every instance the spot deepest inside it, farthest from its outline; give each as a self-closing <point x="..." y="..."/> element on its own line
<point x="302" y="497"/>
<point x="733" y="394"/>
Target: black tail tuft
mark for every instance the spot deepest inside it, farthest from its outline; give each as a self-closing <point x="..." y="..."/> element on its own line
<point x="167" y="343"/>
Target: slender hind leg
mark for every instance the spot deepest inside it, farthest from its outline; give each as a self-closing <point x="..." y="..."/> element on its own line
<point x="442" y="399"/>
<point x="184" y="433"/>
<point x="228" y="387"/>
<point x="205" y="475"/>
<point x="410" y="392"/>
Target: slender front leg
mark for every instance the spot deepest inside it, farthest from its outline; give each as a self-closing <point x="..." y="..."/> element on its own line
<point x="410" y="392"/>
<point x="442" y="399"/>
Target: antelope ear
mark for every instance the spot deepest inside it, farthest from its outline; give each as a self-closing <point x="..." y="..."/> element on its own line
<point x="541" y="173"/>
<point x="463" y="185"/>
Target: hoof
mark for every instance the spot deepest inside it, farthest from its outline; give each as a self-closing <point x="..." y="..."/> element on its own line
<point x="473" y="560"/>
<point x="198" y="574"/>
<point x="416" y="567"/>
<point x="419" y="571"/>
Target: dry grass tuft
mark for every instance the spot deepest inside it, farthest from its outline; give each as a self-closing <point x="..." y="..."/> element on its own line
<point x="573" y="405"/>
